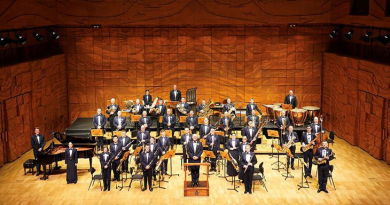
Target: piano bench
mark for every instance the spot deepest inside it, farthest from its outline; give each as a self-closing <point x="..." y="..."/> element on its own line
<point x="29" y="164"/>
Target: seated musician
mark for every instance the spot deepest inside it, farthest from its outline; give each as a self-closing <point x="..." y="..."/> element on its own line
<point x="213" y="145"/>
<point x="252" y="106"/>
<point x="37" y="143"/>
<point x="282" y="123"/>
<point x="147" y="99"/>
<point x="99" y="120"/>
<point x="106" y="167"/>
<point x="169" y="122"/>
<point x="175" y="94"/>
<point x="323" y="153"/>
<point x="315" y="126"/>
<point x="286" y="139"/>
<point x="248" y="161"/>
<point x="162" y="110"/>
<point x="164" y="144"/>
<point x="119" y="122"/>
<point x="199" y="109"/>
<point x="241" y="149"/>
<point x="71" y="161"/>
<point x="112" y="110"/>
<point x="228" y="106"/>
<point x="115" y="148"/>
<point x="205" y="129"/>
<point x="233" y="145"/>
<point x="143" y="136"/>
<point x="145" y="120"/>
<point x="291" y="99"/>
<point x="307" y="137"/>
<point x="250" y="132"/>
<point x="147" y="162"/>
<point x="137" y="108"/>
<point x="125" y="141"/>
<point x="184" y="141"/>
<point x="192" y="122"/>
<point x="183" y="107"/>
<point x="194" y="150"/>
<point x="227" y="124"/>
<point x="155" y="150"/>
<point x="254" y="118"/>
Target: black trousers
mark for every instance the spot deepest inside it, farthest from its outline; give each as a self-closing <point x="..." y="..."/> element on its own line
<point x="292" y="149"/>
<point x="115" y="165"/>
<point x="173" y="138"/>
<point x="195" y="174"/>
<point x="248" y="178"/>
<point x="106" y="177"/>
<point x="100" y="143"/>
<point x="159" y="126"/>
<point x="165" y="165"/>
<point x="308" y="157"/>
<point x="148" y="177"/>
<point x="185" y="157"/>
<point x="36" y="155"/>
<point x="111" y="119"/>
<point x="323" y="173"/>
<point x="213" y="161"/>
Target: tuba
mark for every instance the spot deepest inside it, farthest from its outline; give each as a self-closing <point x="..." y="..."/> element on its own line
<point x="207" y="109"/>
<point x="181" y="109"/>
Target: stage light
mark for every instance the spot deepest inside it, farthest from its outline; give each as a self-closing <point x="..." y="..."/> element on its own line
<point x="334" y="33"/>
<point x="54" y="35"/>
<point x="348" y="36"/>
<point x="366" y="37"/>
<point x="37" y="36"/>
<point x="20" y="39"/>
<point x="4" y="42"/>
<point x="384" y="39"/>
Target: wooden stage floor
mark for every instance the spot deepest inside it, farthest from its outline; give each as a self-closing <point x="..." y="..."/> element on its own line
<point x="359" y="179"/>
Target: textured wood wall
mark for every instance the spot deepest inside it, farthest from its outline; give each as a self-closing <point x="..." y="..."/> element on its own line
<point x="35" y="95"/>
<point x="237" y="62"/>
<point x="356" y="99"/>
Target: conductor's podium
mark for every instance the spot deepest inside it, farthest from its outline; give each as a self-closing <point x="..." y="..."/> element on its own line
<point x="203" y="189"/>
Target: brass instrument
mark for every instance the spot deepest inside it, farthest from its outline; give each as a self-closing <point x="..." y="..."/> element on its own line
<point x="111" y="109"/>
<point x="181" y="108"/>
<point x="129" y="104"/>
<point x="284" y="125"/>
<point x="231" y="109"/>
<point x="207" y="109"/>
<point x="324" y="161"/>
<point x="309" y="146"/>
<point x="153" y="110"/>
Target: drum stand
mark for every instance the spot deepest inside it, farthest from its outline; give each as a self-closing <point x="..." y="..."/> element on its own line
<point x="287" y="174"/>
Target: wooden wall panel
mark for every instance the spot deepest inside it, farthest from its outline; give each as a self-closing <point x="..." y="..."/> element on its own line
<point x="355" y="94"/>
<point x="236" y="62"/>
<point x="35" y="95"/>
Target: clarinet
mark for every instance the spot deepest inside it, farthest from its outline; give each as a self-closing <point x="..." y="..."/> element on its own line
<point x="249" y="162"/>
<point x="119" y="154"/>
<point x="154" y="156"/>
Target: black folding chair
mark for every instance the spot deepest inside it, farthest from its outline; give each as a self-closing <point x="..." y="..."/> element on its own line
<point x="331" y="138"/>
<point x="94" y="178"/>
<point x="260" y="177"/>
<point x="134" y="177"/>
<point x="330" y="176"/>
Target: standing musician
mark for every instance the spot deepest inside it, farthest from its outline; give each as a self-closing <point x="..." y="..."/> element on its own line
<point x="106" y="168"/>
<point x="183" y="105"/>
<point x="192" y="122"/>
<point x="143" y="136"/>
<point x="316" y="127"/>
<point x="115" y="148"/>
<point x="119" y="122"/>
<point x="250" y="132"/>
<point x="254" y="118"/>
<point x="282" y="123"/>
<point x="169" y="121"/>
<point x="164" y="143"/>
<point x="147" y="98"/>
<point x="99" y="120"/>
<point x="213" y="145"/>
<point x="184" y="141"/>
<point x="233" y="145"/>
<point x="248" y="161"/>
<point x="175" y="94"/>
<point x="124" y="140"/>
<point x="112" y="110"/>
<point x="153" y="148"/>
<point x="286" y="138"/>
<point x="291" y="99"/>
<point x="241" y="149"/>
<point x="195" y="150"/>
<point x="138" y="108"/>
<point x="308" y="155"/>
<point x="323" y="153"/>
<point x="252" y="106"/>
<point x="37" y="143"/>
<point x="227" y="124"/>
<point x="162" y="110"/>
<point x="145" y="120"/>
<point x="71" y="161"/>
<point x="147" y="162"/>
<point x="199" y="109"/>
<point x="204" y="129"/>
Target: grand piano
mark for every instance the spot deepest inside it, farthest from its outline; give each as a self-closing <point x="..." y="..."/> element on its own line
<point x="56" y="152"/>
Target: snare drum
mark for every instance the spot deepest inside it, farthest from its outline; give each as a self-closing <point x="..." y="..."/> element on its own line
<point x="312" y="112"/>
<point x="270" y="112"/>
<point x="298" y="116"/>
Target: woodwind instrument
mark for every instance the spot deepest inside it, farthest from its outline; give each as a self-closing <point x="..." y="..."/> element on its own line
<point x="324" y="160"/>
<point x="290" y="143"/>
<point x="309" y="145"/>
<point x="119" y="154"/>
<point x="258" y="131"/>
<point x="249" y="162"/>
<point x="234" y="162"/>
<point x="154" y="156"/>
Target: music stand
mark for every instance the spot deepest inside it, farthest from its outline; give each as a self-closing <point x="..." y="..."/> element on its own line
<point x="273" y="134"/>
<point x="228" y="158"/>
<point x="169" y="155"/>
<point x="162" y="158"/>
<point x="209" y="155"/>
<point x="286" y="106"/>
<point x="201" y="120"/>
<point x="117" y="133"/>
<point x="97" y="133"/>
<point x="224" y="158"/>
<point x="135" y="119"/>
<point x="278" y="162"/>
<point x="300" y="185"/>
<point x="288" y="173"/>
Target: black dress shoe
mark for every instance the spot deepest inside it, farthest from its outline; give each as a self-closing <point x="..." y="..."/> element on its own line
<point x="38" y="173"/>
<point x="192" y="184"/>
<point x="319" y="190"/>
<point x="310" y="176"/>
<point x="292" y="168"/>
<point x="245" y="192"/>
<point x="150" y="189"/>
<point x="108" y="189"/>
<point x="197" y="183"/>
<point x="105" y="189"/>
<point x="326" y="191"/>
<point x="250" y="192"/>
<point x="143" y="189"/>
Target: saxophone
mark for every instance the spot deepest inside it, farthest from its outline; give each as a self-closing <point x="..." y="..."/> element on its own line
<point x="290" y="143"/>
<point x="324" y="161"/>
<point x="207" y="109"/>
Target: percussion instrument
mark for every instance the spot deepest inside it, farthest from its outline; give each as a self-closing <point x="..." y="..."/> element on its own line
<point x="298" y="116"/>
<point x="278" y="104"/>
<point x="312" y="112"/>
<point x="278" y="112"/>
<point x="270" y="112"/>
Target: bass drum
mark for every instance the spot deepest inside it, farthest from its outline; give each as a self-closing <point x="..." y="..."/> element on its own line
<point x="298" y="116"/>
